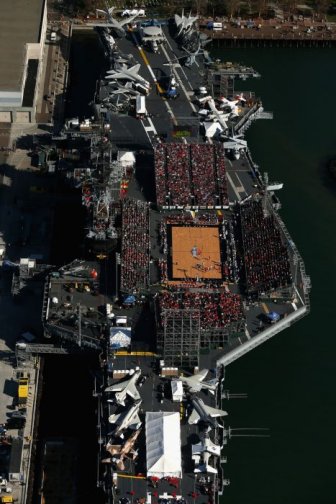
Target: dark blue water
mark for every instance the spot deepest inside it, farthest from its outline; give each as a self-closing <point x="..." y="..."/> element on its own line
<point x="291" y="380"/>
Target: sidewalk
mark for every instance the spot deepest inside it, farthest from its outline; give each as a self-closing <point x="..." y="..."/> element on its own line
<point x="50" y="102"/>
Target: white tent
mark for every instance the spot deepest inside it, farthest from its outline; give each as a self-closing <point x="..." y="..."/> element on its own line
<point x="212" y="129"/>
<point x="163" y="444"/>
<point x="126" y="158"/>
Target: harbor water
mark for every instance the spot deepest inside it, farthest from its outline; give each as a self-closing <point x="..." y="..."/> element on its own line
<point x="290" y="381"/>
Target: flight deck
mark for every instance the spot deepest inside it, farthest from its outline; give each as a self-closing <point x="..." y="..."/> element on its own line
<point x="186" y="263"/>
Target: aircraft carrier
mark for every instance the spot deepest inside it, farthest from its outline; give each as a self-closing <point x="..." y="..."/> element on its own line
<point x="187" y="263"/>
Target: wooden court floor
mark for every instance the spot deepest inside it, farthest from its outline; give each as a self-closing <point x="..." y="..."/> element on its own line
<point x="196" y="252"/>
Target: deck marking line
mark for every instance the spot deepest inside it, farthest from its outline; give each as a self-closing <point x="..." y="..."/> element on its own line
<point x="179" y="81"/>
<point x="265" y="307"/>
<point x="233" y="186"/>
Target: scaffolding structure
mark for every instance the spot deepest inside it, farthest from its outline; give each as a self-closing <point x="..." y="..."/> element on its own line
<point x="218" y="337"/>
<point x="24" y="272"/>
<point x="180" y="338"/>
<point x="221" y="78"/>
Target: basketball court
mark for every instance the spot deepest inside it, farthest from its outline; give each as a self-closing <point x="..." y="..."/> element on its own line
<point x="196" y="252"/>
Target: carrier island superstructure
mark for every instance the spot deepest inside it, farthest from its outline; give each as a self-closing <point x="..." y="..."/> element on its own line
<point x="187" y="266"/>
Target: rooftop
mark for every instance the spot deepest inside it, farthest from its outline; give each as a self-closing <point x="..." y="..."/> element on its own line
<point x="20" y="23"/>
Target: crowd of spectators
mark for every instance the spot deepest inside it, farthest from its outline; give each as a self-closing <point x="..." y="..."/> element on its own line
<point x="216" y="308"/>
<point x="266" y="258"/>
<point x="203" y="174"/>
<point x="135" y="246"/>
<point x="190" y="175"/>
<point x="198" y="218"/>
<point x="172" y="165"/>
<point x="163" y="269"/>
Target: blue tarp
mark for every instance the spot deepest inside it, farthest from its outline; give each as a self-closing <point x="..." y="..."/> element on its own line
<point x="129" y="299"/>
<point x="273" y="316"/>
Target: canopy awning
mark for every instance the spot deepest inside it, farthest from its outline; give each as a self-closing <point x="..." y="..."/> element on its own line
<point x="120" y="337"/>
<point x="163" y="444"/>
<point x="126" y="158"/>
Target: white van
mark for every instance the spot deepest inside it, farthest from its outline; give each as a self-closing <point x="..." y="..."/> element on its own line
<point x="53" y="36"/>
<point x="140" y="106"/>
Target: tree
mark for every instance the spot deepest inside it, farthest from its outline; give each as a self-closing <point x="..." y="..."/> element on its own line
<point x="232" y="7"/>
<point x="322" y="6"/>
<point x="259" y="6"/>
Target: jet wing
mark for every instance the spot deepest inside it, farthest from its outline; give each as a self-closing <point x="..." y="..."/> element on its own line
<point x="126" y="91"/>
<point x="128" y="20"/>
<point x="194" y="417"/>
<point x="135" y="421"/>
<point x="134" y="69"/>
<point x="117" y="75"/>
<point x="178" y="20"/>
<point x="114" y="419"/>
<point x="117" y="387"/>
<point x="201" y="375"/>
<point x="211" y="447"/>
<point x="214" y="412"/>
<point x="194" y="386"/>
<point x="194" y="381"/>
<point x="130" y="390"/>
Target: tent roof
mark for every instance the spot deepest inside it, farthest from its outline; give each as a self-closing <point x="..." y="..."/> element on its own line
<point x="120" y="337"/>
<point x="211" y="128"/>
<point x="163" y="444"/>
<point x="126" y="157"/>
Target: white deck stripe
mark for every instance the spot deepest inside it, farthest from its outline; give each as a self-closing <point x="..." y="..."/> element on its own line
<point x="179" y="81"/>
<point x="233" y="186"/>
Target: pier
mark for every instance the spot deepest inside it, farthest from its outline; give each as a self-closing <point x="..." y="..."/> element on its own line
<point x="274" y="34"/>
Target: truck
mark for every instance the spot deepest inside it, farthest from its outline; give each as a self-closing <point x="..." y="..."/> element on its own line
<point x="215" y="26"/>
<point x="140" y="106"/>
<point x="6" y="498"/>
<point x="23" y="386"/>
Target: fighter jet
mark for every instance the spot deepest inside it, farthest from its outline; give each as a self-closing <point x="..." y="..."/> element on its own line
<point x="204" y="413"/>
<point x="206" y="449"/>
<point x="126" y="388"/>
<point x="120" y="452"/>
<point x="127" y="419"/>
<point x="235" y="145"/>
<point x="192" y="55"/>
<point x="184" y="23"/>
<point x="206" y="446"/>
<point x="218" y="114"/>
<point x="195" y="382"/>
<point x="117" y="26"/>
<point x="232" y="104"/>
<point x="205" y="467"/>
<point x="124" y="90"/>
<point x="128" y="74"/>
